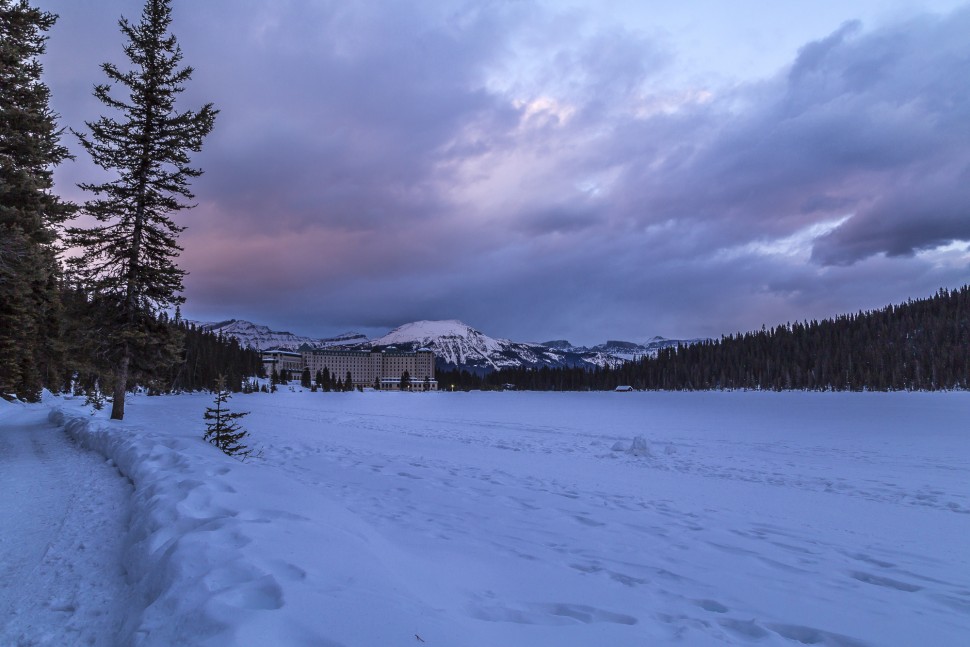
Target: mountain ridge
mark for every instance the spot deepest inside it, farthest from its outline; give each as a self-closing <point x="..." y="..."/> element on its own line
<point x="262" y="337"/>
<point x="455" y="344"/>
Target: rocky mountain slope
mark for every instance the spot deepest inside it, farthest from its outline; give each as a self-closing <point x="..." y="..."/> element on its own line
<point x="623" y="349"/>
<point x="263" y="338"/>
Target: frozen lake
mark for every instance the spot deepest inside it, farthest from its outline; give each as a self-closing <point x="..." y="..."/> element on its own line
<point x="488" y="519"/>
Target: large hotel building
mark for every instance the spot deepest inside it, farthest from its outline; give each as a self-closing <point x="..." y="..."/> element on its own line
<point x="366" y="368"/>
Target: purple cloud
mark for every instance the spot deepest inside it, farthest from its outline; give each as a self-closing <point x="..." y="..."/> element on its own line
<point x="543" y="175"/>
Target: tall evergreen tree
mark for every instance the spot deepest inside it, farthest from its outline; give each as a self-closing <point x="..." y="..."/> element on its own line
<point x="129" y="258"/>
<point x="29" y="213"/>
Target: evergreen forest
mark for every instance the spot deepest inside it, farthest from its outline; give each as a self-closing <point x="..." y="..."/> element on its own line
<point x="923" y="344"/>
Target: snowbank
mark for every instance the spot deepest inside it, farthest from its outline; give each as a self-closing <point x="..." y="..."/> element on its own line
<point x="213" y="566"/>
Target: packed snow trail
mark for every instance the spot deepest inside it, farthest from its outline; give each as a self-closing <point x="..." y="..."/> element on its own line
<point x="63" y="518"/>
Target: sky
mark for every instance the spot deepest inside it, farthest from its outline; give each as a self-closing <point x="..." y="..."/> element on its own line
<point x="583" y="170"/>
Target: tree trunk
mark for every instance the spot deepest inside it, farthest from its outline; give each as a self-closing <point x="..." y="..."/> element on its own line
<point x="121" y="386"/>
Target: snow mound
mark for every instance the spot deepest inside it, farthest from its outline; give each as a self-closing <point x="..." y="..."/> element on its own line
<point x="640" y="447"/>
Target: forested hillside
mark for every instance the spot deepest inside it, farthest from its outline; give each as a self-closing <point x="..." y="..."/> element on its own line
<point x="922" y="344"/>
<point x="919" y="345"/>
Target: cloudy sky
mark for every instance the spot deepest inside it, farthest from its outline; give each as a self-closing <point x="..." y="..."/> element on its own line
<point x="582" y="170"/>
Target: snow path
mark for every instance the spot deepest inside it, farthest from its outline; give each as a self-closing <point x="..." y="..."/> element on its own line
<point x="64" y="516"/>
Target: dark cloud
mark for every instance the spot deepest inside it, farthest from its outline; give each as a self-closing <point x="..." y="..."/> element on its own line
<point x="540" y="174"/>
<point x="922" y="213"/>
<point x="813" y="57"/>
<point x="349" y="125"/>
<point x="870" y="125"/>
<point x="558" y="219"/>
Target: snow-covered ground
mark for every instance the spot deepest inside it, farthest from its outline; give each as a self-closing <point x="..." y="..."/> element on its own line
<point x="63" y="521"/>
<point x="520" y="519"/>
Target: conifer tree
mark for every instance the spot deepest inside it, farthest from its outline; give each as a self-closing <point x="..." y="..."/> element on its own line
<point x="129" y="258"/>
<point x="222" y="430"/>
<point x="29" y="213"/>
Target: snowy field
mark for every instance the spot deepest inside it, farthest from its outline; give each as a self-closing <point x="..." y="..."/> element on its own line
<point x="520" y="519"/>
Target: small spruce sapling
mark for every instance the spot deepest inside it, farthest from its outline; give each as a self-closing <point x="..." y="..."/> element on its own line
<point x="94" y="398"/>
<point x="222" y="430"/>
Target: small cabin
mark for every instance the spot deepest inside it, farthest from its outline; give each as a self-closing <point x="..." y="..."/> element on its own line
<point x="623" y="388"/>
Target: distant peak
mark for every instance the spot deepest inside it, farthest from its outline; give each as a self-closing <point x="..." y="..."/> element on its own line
<point x="427" y="329"/>
<point x="557" y="343"/>
<point x="616" y="343"/>
<point x="433" y="323"/>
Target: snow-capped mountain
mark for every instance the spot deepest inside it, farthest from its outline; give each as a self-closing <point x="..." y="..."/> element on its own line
<point x="455" y="345"/>
<point x="453" y="342"/>
<point x="262" y="338"/>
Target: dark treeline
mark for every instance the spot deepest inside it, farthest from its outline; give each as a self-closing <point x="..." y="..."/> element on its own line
<point x="923" y="344"/>
<point x="207" y="356"/>
<point x="173" y="355"/>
